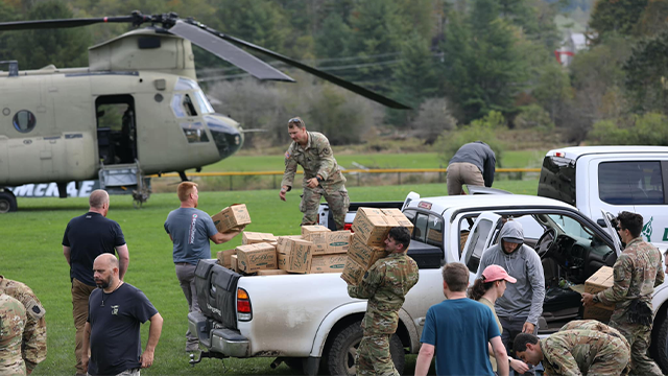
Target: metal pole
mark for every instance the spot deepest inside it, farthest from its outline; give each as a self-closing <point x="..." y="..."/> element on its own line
<point x="274" y="177"/>
<point x="231" y="183"/>
<point x="399" y="178"/>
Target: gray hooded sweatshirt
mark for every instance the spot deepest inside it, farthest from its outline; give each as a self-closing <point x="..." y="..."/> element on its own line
<point x="525" y="297"/>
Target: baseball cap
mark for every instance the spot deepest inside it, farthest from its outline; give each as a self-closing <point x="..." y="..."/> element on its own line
<point x="496" y="273"/>
<point x="511" y="239"/>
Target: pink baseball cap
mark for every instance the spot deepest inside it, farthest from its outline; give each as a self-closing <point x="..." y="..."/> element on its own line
<point x="496" y="273"/>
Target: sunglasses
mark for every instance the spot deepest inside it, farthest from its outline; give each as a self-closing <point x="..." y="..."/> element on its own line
<point x="294" y="120"/>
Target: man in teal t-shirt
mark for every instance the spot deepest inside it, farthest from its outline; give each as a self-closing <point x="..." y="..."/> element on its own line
<point x="458" y="330"/>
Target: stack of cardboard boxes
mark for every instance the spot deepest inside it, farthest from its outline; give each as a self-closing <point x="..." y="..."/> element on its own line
<point x="368" y="246"/>
<point x="317" y="250"/>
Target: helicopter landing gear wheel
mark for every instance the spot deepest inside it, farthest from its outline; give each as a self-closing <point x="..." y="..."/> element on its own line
<point x="7" y="202"/>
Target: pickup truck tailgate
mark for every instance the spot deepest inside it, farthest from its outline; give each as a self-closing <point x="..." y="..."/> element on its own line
<point x="217" y="292"/>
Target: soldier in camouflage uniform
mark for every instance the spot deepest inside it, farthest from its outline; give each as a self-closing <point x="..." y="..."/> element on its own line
<point x="34" y="334"/>
<point x="585" y="347"/>
<point x="12" y="322"/>
<point x="322" y="176"/>
<point x="385" y="286"/>
<point x="636" y="272"/>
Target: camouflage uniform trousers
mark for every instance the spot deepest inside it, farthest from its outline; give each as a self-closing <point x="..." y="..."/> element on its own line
<point x="12" y="321"/>
<point x="373" y="356"/>
<point x="337" y="199"/>
<point x="639" y="337"/>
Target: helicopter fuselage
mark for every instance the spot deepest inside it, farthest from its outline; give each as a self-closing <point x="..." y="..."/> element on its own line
<point x="54" y="126"/>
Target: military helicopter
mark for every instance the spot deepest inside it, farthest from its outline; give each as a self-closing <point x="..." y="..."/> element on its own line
<point x="136" y="110"/>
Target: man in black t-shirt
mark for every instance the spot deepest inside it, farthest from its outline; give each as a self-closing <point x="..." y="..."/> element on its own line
<point x="87" y="237"/>
<point x="112" y="332"/>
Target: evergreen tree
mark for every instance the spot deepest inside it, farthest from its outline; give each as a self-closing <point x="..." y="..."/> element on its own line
<point x="483" y="68"/>
<point x="618" y="16"/>
<point x="376" y="26"/>
<point x="64" y="48"/>
<point x="332" y="40"/>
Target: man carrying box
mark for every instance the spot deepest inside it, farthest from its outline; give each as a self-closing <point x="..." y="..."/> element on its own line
<point x="636" y="272"/>
<point x="190" y="230"/>
<point x="385" y="285"/>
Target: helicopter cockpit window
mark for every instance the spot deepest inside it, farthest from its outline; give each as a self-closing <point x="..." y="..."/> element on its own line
<point x="204" y="105"/>
<point x="176" y="105"/>
<point x="24" y="121"/>
<point x="186" y="84"/>
<point x="189" y="106"/>
<point x="195" y="132"/>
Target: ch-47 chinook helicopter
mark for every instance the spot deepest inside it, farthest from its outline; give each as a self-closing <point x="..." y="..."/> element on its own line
<point x="63" y="125"/>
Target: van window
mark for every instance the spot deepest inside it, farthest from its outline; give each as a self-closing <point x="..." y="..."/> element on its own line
<point x="630" y="183"/>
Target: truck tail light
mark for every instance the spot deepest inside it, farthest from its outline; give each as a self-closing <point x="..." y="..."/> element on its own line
<point x="560" y="154"/>
<point x="348" y="226"/>
<point x="244" y="308"/>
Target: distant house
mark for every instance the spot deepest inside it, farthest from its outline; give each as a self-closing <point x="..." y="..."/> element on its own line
<point x="571" y="45"/>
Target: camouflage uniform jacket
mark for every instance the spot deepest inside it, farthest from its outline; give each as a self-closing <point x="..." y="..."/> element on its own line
<point x="572" y="351"/>
<point x="385" y="285"/>
<point x="636" y="272"/>
<point x="12" y="322"/>
<point x="34" y="334"/>
<point x="316" y="159"/>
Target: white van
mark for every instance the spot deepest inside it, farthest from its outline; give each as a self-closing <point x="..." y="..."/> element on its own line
<point x="612" y="179"/>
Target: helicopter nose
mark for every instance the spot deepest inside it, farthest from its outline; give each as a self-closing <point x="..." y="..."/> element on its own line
<point x="226" y="135"/>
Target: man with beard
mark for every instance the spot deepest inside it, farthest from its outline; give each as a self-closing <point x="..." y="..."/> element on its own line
<point x="190" y="230"/>
<point x="112" y="333"/>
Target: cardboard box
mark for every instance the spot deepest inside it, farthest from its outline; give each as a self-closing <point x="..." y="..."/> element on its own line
<point x="598" y="282"/>
<point x="234" y="263"/>
<point x="282" y="241"/>
<point x="325" y="243"/>
<point x="271" y="272"/>
<point x="372" y="226"/>
<point x="295" y="256"/>
<point x="224" y="257"/>
<point x="363" y="254"/>
<point x="248" y="237"/>
<point x="254" y="257"/>
<point x="352" y="272"/>
<point x="399" y="217"/>
<point x="232" y="217"/>
<point x="328" y="263"/>
<point x="311" y="229"/>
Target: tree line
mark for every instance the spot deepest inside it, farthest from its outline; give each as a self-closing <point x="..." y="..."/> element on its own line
<point x="457" y="63"/>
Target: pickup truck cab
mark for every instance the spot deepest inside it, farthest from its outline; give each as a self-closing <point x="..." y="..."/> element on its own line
<point x="612" y="179"/>
<point x="310" y="322"/>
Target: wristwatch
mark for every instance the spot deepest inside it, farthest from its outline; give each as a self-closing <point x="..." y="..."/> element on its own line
<point x="319" y="179"/>
<point x="510" y="360"/>
<point x="595" y="299"/>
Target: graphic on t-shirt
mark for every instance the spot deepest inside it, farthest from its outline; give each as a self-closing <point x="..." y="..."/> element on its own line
<point x="114" y="310"/>
<point x="191" y="238"/>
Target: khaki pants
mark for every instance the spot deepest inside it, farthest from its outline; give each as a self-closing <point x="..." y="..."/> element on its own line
<point x="80" y="294"/>
<point x="462" y="173"/>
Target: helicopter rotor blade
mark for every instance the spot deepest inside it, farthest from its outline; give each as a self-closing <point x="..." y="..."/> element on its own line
<point x="314" y="71"/>
<point x="63" y="23"/>
<point x="228" y="52"/>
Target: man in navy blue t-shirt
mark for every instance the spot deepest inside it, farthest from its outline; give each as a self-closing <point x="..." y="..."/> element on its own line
<point x="112" y="332"/>
<point x="87" y="237"/>
<point x="458" y="330"/>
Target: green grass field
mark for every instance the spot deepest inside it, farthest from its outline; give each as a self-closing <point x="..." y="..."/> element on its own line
<point x="31" y="252"/>
<point x="530" y="158"/>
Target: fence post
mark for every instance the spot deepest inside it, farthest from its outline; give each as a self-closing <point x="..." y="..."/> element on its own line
<point x="399" y="178"/>
<point x="358" y="179"/>
<point x="231" y="187"/>
<point x="440" y="174"/>
<point x="274" y="177"/>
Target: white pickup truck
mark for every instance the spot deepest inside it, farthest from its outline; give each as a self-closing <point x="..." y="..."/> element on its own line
<point x="612" y="179"/>
<point x="310" y="323"/>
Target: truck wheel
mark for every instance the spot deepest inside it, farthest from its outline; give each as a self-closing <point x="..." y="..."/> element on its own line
<point x="7" y="202"/>
<point x="340" y="359"/>
<point x="659" y="347"/>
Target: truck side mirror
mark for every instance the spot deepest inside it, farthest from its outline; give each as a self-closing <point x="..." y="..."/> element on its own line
<point x="601" y="222"/>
